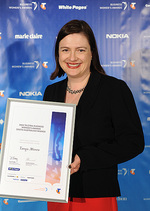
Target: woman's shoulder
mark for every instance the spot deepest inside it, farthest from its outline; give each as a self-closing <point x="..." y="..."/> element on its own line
<point x="54" y="89"/>
<point x="115" y="87"/>
<point x="112" y="81"/>
<point x="56" y="84"/>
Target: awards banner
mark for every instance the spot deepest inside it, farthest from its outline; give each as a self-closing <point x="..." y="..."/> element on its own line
<point x="37" y="150"/>
<point x="28" y="31"/>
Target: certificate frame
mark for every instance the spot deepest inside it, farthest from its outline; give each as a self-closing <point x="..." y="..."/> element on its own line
<point x="37" y="150"/>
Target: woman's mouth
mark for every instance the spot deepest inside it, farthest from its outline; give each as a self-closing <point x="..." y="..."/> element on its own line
<point x="73" y="65"/>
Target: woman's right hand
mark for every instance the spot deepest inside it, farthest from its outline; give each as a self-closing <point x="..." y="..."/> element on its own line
<point x="75" y="165"/>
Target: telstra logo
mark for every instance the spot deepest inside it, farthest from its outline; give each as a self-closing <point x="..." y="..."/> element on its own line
<point x="45" y="64"/>
<point x="43" y="6"/>
<point x="58" y="190"/>
<point x="132" y="171"/>
<point x="5" y="201"/>
<point x="132" y="63"/>
<point x="1" y="93"/>
<point x="132" y="5"/>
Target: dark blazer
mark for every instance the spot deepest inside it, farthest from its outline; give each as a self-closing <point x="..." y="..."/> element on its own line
<point x="107" y="132"/>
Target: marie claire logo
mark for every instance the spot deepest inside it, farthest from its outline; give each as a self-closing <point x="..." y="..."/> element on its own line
<point x="119" y="6"/>
<point x="117" y="36"/>
<point x="72" y="7"/>
<point x="29" y="6"/>
<point x="29" y="94"/>
<point x="29" y="65"/>
<point x="125" y="171"/>
<point x="29" y="36"/>
<point x="1" y="93"/>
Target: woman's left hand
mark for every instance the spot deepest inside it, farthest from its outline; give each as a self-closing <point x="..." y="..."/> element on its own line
<point x="75" y="165"/>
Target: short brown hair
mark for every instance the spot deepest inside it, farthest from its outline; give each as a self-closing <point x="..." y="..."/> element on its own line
<point x="77" y="26"/>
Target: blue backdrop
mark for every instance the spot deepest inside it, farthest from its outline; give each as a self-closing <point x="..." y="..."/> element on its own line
<point x="28" y="32"/>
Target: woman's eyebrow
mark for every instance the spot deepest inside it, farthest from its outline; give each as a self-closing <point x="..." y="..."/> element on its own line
<point x="76" y="47"/>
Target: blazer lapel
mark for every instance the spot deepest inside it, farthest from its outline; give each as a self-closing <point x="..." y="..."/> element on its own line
<point x="89" y="95"/>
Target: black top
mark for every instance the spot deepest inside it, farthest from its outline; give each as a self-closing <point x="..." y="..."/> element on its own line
<point x="107" y="132"/>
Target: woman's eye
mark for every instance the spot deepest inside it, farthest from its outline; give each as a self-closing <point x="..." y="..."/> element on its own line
<point x="64" y="50"/>
<point x="81" y="50"/>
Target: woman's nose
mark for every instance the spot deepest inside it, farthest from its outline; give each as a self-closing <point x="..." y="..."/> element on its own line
<point x="73" y="56"/>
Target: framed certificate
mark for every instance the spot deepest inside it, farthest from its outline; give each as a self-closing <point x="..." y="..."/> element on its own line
<point x="36" y="150"/>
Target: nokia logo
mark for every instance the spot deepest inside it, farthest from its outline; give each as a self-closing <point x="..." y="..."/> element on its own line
<point x="117" y="36"/>
<point x="30" y="94"/>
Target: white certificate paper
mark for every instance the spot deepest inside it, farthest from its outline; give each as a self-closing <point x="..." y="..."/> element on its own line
<point x="36" y="150"/>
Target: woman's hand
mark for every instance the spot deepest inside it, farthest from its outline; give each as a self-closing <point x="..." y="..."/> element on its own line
<point x="75" y="165"/>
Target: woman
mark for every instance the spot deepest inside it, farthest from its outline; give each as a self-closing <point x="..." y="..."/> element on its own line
<point x="107" y="128"/>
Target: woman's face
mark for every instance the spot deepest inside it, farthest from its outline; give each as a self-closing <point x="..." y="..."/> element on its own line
<point x="75" y="55"/>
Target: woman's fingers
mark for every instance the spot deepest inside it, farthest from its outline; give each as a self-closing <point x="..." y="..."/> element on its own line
<point x="75" y="165"/>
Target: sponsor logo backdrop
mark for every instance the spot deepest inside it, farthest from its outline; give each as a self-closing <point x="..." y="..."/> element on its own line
<point x="28" y="31"/>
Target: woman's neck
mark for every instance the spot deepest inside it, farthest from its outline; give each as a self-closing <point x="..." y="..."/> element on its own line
<point x="78" y="83"/>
